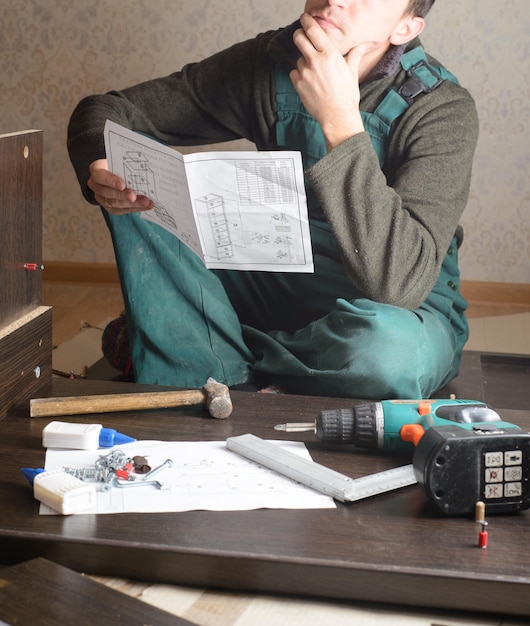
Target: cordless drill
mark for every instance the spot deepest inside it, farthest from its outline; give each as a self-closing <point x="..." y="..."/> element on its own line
<point x="396" y="424"/>
<point x="463" y="450"/>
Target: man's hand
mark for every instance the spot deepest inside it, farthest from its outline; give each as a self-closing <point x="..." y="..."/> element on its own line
<point x="327" y="82"/>
<point x="112" y="194"/>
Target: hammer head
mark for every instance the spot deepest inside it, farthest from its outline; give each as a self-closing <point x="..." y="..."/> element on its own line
<point x="218" y="401"/>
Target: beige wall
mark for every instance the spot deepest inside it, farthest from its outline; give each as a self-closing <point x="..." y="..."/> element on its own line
<point x="53" y="52"/>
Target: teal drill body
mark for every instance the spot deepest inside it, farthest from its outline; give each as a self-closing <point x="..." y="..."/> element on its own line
<point x="400" y="424"/>
<point x="466" y="414"/>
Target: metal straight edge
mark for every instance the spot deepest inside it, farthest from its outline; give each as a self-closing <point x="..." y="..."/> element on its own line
<point x="316" y="476"/>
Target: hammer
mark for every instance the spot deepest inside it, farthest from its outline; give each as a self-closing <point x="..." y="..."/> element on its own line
<point x="215" y="396"/>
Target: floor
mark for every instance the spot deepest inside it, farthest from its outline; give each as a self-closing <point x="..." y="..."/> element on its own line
<point x="79" y="313"/>
<point x="75" y="306"/>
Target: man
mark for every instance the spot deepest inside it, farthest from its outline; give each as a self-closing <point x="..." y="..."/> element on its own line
<point x="382" y="316"/>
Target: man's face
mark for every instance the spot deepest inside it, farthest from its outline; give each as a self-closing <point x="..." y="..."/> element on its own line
<point x="349" y="23"/>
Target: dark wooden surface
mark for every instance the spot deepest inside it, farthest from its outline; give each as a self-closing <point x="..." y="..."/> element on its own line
<point x="392" y="548"/>
<point x="42" y="593"/>
<point x="25" y="357"/>
<point x="21" y="220"/>
<point x="25" y="326"/>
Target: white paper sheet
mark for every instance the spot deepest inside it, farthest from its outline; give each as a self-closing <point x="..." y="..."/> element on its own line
<point x="204" y="476"/>
<point x="235" y="210"/>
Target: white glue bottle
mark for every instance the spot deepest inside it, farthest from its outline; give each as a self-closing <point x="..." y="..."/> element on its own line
<point x="81" y="436"/>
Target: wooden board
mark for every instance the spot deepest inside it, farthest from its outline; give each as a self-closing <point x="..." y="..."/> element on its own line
<point x="21" y="220"/>
<point x="44" y="593"/>
<point x="25" y="325"/>
<point x="25" y="357"/>
<point x="393" y="548"/>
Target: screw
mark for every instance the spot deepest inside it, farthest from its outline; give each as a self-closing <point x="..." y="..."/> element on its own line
<point x="112" y="461"/>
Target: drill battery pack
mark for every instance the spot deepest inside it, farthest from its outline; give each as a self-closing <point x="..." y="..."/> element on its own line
<point x="458" y="467"/>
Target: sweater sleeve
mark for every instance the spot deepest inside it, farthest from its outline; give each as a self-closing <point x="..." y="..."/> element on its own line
<point x="394" y="227"/>
<point x="218" y="99"/>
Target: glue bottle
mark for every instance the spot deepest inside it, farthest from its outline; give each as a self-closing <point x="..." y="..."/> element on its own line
<point x="60" y="491"/>
<point x="81" y="436"/>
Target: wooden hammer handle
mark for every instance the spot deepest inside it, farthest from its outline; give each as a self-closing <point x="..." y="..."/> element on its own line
<point x="83" y="405"/>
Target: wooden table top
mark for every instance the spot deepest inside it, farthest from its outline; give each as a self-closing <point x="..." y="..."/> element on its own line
<point x="392" y="548"/>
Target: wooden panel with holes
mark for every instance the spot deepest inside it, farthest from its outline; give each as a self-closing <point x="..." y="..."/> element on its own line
<point x="25" y="325"/>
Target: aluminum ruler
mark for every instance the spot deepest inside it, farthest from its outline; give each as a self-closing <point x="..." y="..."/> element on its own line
<point x="318" y="476"/>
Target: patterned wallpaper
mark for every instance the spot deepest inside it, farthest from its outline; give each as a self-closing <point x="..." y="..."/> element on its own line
<point x="53" y="52"/>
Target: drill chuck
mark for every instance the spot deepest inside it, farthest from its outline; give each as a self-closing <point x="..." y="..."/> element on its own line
<point x="335" y="425"/>
<point x="360" y="425"/>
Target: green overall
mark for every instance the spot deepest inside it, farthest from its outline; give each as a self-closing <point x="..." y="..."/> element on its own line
<point x="311" y="333"/>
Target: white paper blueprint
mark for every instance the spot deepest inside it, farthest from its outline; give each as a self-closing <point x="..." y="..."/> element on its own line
<point x="235" y="210"/>
<point x="204" y="476"/>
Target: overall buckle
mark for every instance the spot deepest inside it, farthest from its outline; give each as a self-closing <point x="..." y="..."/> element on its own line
<point x="421" y="78"/>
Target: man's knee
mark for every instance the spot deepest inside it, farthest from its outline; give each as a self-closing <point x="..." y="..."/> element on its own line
<point x="387" y="352"/>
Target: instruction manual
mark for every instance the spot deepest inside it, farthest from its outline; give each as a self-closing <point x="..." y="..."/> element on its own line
<point x="204" y="475"/>
<point x="235" y="210"/>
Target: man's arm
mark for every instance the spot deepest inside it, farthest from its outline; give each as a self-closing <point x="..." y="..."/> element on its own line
<point x="394" y="228"/>
<point x="218" y="99"/>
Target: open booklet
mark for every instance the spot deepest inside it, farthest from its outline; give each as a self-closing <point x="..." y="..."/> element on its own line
<point x="235" y="210"/>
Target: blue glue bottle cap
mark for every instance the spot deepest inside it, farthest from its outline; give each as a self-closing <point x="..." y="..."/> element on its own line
<point x="30" y="473"/>
<point x="109" y="437"/>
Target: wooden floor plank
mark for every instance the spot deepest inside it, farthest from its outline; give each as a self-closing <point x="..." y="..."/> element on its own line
<point x="74" y="304"/>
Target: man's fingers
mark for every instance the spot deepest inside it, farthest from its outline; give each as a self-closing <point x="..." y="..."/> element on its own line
<point x="303" y="43"/>
<point x="102" y="177"/>
<point x="311" y="35"/>
<point x="120" y="206"/>
<point x="103" y="183"/>
<point x="111" y="193"/>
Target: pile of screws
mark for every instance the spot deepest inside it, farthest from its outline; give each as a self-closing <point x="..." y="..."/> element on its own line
<point x="116" y="469"/>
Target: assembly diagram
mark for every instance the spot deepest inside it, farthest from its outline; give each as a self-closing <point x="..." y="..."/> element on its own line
<point x="235" y="210"/>
<point x="139" y="175"/>
<point x="244" y="224"/>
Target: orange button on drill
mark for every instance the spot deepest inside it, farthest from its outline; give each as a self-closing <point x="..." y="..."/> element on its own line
<point x="412" y="433"/>
<point x="424" y="408"/>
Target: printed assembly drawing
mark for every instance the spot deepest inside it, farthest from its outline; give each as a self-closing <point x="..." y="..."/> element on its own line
<point x="203" y="476"/>
<point x="235" y="210"/>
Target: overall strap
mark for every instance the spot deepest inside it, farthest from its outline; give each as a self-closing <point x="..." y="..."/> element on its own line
<point x="422" y="77"/>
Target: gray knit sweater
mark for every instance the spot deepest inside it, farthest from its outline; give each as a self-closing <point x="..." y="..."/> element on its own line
<point x="393" y="227"/>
